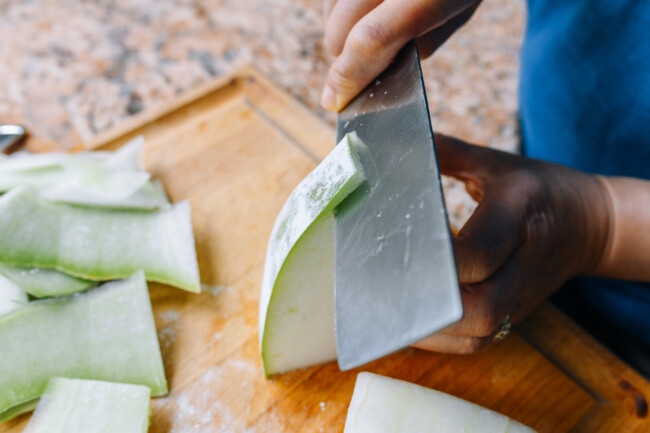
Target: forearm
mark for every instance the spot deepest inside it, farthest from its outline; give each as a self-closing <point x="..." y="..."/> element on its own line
<point x="627" y="254"/>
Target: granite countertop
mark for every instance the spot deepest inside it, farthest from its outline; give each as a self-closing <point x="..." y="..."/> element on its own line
<point x="71" y="69"/>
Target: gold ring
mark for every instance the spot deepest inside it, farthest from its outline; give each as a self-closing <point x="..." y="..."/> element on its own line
<point x="503" y="331"/>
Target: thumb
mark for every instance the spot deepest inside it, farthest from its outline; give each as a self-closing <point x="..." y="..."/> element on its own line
<point x="462" y="160"/>
<point x="376" y="38"/>
<point x="491" y="235"/>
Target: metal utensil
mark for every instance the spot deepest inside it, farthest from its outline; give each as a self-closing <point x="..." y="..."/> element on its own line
<point x="395" y="274"/>
<point x="10" y="137"/>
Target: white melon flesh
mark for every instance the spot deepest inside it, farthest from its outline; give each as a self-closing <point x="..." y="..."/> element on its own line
<point x="297" y="299"/>
<point x="91" y="406"/>
<point x="382" y="405"/>
<point x="11" y="296"/>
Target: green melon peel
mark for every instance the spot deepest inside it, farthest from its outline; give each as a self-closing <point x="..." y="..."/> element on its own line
<point x="296" y="305"/>
<point x="42" y="283"/>
<point x="96" y="244"/>
<point x="89" y="406"/>
<point x="107" y="333"/>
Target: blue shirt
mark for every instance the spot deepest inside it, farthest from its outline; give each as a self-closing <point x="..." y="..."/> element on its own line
<point x="585" y="103"/>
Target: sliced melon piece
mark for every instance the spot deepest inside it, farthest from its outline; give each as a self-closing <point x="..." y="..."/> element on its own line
<point x="81" y="192"/>
<point x="42" y="283"/>
<point x="90" y="406"/>
<point x="383" y="405"/>
<point x="26" y="161"/>
<point x="128" y="157"/>
<point x="97" y="244"/>
<point x="38" y="179"/>
<point x="115" y="180"/>
<point x="97" y="185"/>
<point x="297" y="300"/>
<point x="12" y="296"/>
<point x="107" y="333"/>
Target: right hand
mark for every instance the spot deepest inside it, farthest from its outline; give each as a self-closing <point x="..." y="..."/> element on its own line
<point x="365" y="35"/>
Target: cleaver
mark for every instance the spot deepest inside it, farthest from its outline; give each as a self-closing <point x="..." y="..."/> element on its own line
<point x="395" y="274"/>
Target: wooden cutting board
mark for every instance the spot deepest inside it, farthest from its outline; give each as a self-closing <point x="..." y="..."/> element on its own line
<point x="235" y="149"/>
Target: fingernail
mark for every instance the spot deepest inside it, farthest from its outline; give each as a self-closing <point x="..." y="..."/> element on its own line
<point x="327" y="100"/>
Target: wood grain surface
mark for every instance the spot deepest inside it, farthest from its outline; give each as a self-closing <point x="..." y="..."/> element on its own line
<point x="235" y="149"/>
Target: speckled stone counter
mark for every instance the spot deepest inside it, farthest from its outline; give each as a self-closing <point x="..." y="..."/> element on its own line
<point x="71" y="69"/>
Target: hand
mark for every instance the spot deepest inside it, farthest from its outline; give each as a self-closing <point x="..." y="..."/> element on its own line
<point x="365" y="35"/>
<point x="537" y="225"/>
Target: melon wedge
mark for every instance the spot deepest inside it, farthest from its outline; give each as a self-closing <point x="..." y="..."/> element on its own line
<point x="12" y="296"/>
<point x="90" y="406"/>
<point x="296" y="321"/>
<point x="107" y="333"/>
<point x="97" y="244"/>
<point x="383" y="405"/>
<point x="42" y="283"/>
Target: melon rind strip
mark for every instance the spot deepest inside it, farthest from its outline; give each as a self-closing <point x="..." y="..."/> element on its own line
<point x="98" y="244"/>
<point x="42" y="283"/>
<point x="114" y="180"/>
<point x="107" y="333"/>
<point x="90" y="406"/>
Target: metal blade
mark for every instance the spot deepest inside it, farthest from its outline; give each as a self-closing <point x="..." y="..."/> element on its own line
<point x="395" y="274"/>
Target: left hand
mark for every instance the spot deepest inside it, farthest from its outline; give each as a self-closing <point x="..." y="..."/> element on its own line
<point x="536" y="226"/>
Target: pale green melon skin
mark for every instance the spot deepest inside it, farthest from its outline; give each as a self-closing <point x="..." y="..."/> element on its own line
<point x="296" y="318"/>
<point x="89" y="406"/>
<point x="107" y="333"/>
<point x="112" y="180"/>
<point x="42" y="283"/>
<point x="384" y="405"/>
<point x="97" y="244"/>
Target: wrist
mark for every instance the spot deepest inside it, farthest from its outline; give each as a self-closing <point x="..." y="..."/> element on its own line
<point x="604" y="225"/>
<point x="599" y="221"/>
<point x="628" y="243"/>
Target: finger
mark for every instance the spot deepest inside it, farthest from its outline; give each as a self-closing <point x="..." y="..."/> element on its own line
<point x="496" y="228"/>
<point x="432" y="40"/>
<point x="344" y="15"/>
<point x="461" y="160"/>
<point x="487" y="304"/>
<point x="375" y="39"/>
<point x="328" y="5"/>
<point x="491" y="235"/>
<point x="445" y="343"/>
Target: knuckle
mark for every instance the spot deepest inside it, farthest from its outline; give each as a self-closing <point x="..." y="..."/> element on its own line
<point x="369" y="38"/>
<point x="341" y="78"/>
<point x="480" y="266"/>
<point x="472" y="345"/>
<point x="485" y="264"/>
<point x="528" y="181"/>
<point x="486" y="324"/>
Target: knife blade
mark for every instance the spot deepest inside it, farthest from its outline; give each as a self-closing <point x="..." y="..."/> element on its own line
<point x="395" y="274"/>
